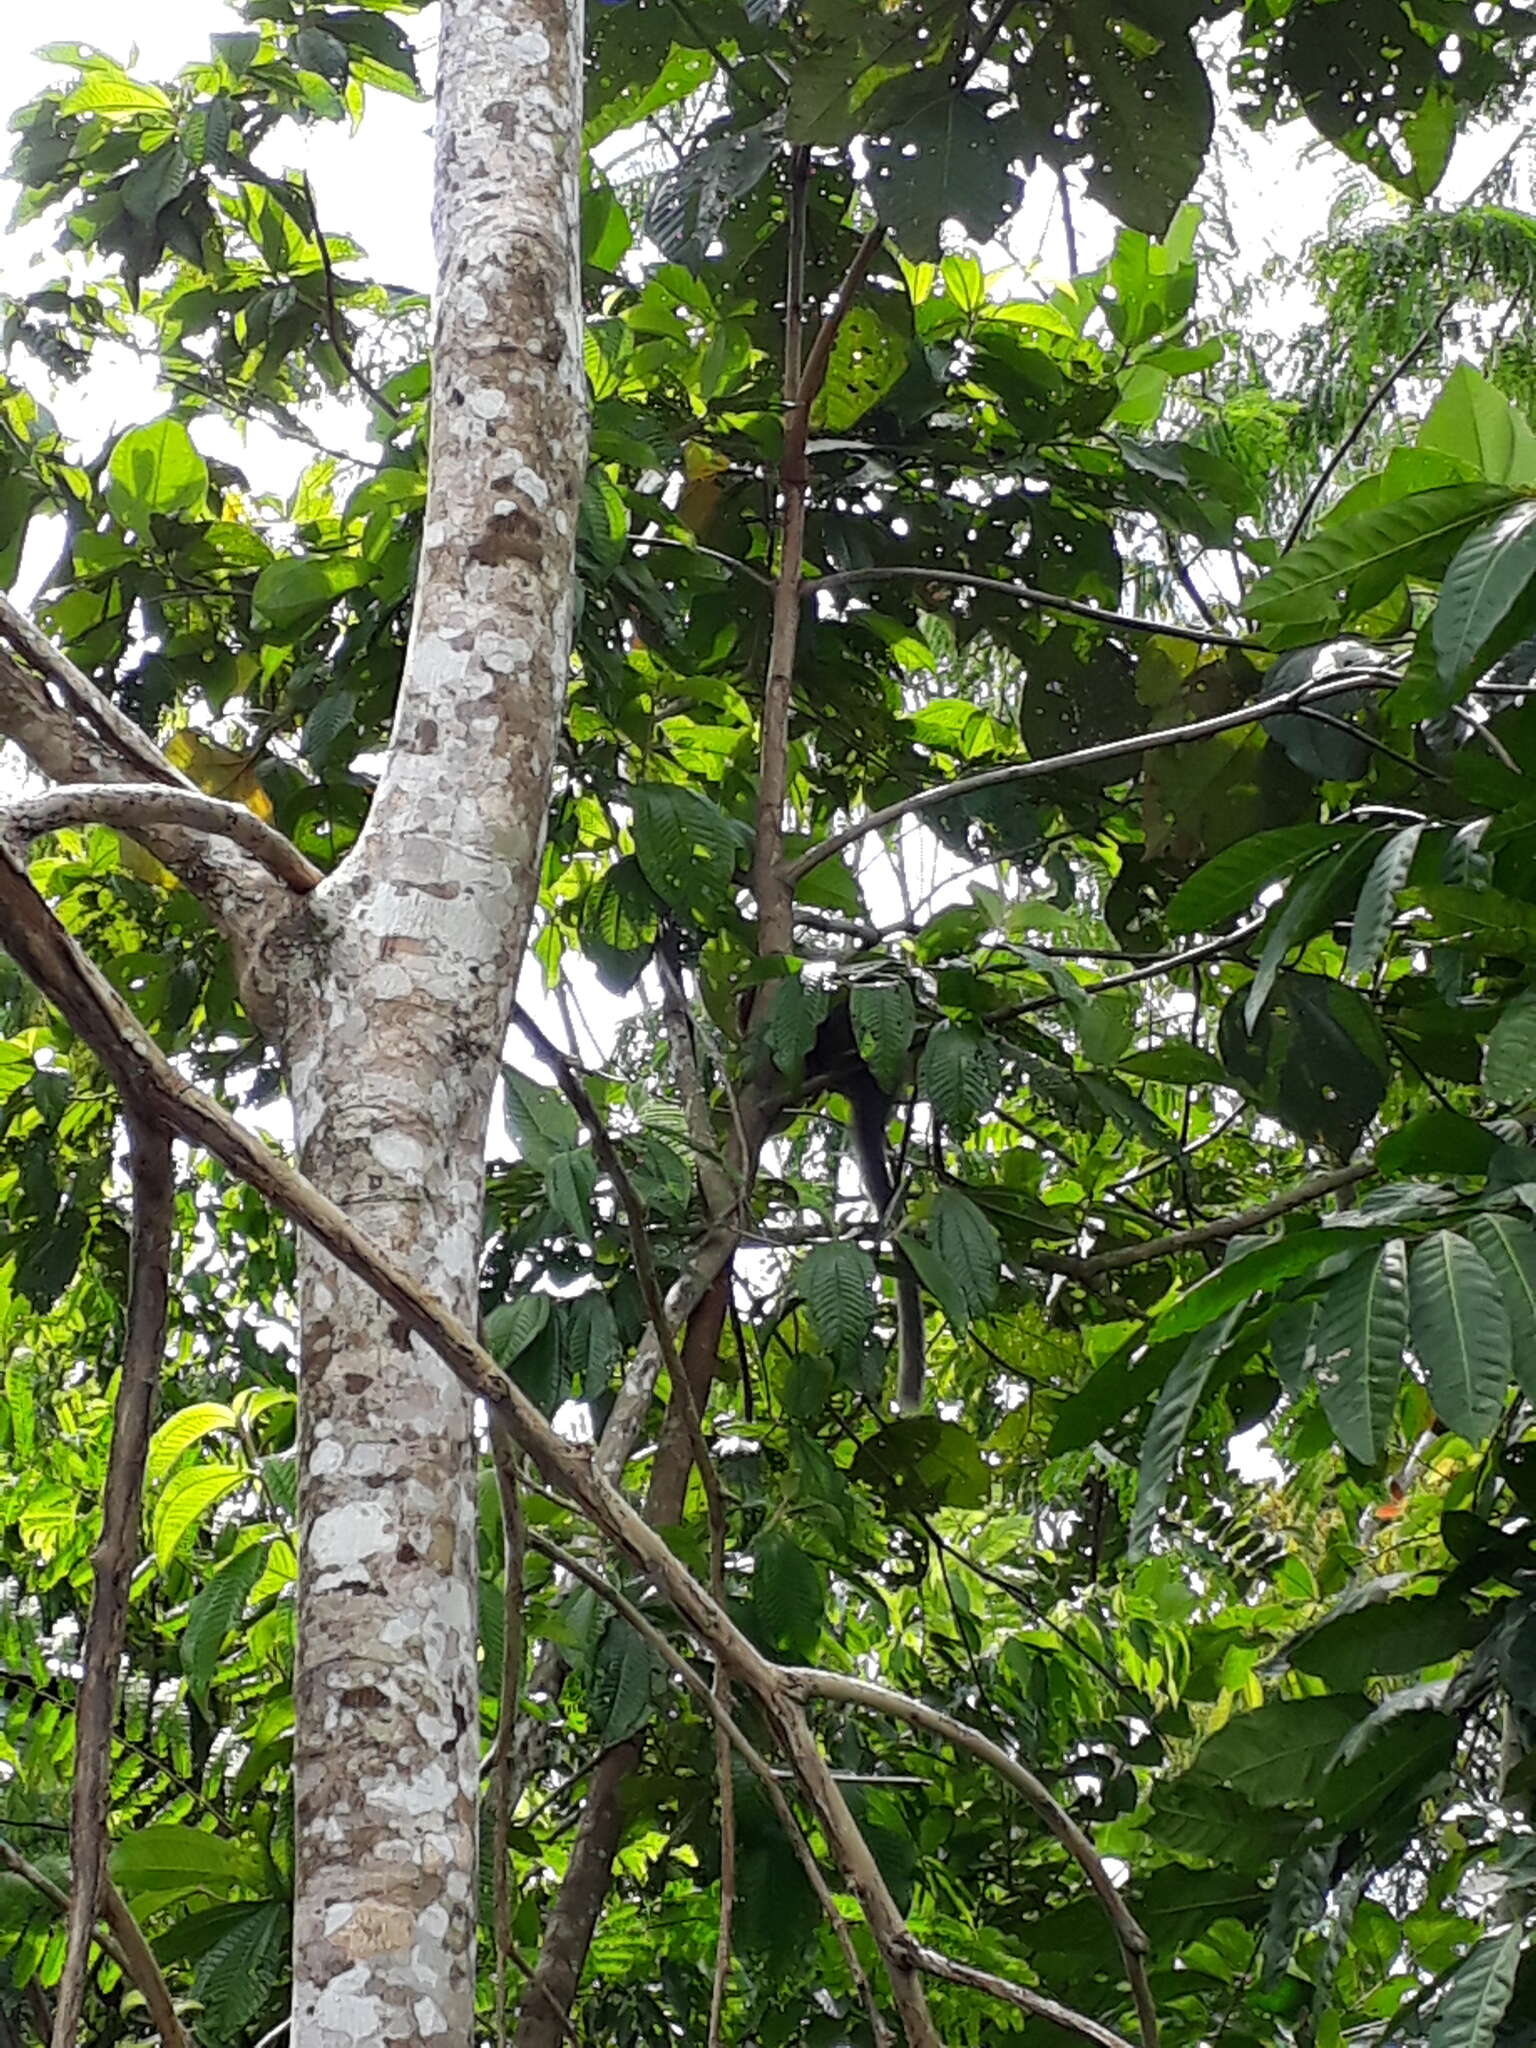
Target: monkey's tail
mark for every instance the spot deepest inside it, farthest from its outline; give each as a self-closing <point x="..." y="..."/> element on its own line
<point x="910" y="1351"/>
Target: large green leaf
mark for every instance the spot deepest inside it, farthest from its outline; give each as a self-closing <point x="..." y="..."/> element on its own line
<point x="1278" y="1754"/>
<point x="1316" y="1057"/>
<point x="155" y="471"/>
<point x="1378" y="901"/>
<point x="939" y="157"/>
<point x="185" y="1501"/>
<point x="1414" y="535"/>
<point x="1492" y="572"/>
<point x="1361" y="1336"/>
<point x="216" y="1610"/>
<point x="1168" y="1425"/>
<point x="884" y="1019"/>
<point x="958" y="1074"/>
<point x="1258" y="1269"/>
<point x="1508" y="1250"/>
<point x="1473" y="422"/>
<point x="683" y="843"/>
<point x="1509" y="1063"/>
<point x="836" y="1283"/>
<point x="1460" y="1332"/>
<point x="788" y="1595"/>
<point x="1228" y="883"/>
<point x="178" y="1860"/>
<point x="1468" y="2012"/>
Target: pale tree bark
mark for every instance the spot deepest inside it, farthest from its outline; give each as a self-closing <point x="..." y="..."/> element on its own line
<point x="392" y="983"/>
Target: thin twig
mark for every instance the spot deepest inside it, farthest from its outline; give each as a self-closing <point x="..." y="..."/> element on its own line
<point x="1217" y="1232"/>
<point x="693" y="547"/>
<point x="1034" y="2002"/>
<point x="1379" y="392"/>
<point x="339" y="341"/>
<point x="774" y="892"/>
<point x="1151" y="970"/>
<point x="1043" y="600"/>
<point x="115" y="1555"/>
<point x="990" y="30"/>
<point x="134" y="807"/>
<point x="1082" y="757"/>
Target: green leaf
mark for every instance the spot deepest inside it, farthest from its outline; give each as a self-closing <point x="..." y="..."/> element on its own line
<point x="185" y="1500"/>
<point x="1167" y="1427"/>
<point x="179" y="1432"/>
<point x="1309" y="905"/>
<point x="788" y="1597"/>
<point x="216" y="1609"/>
<point x="1259" y="1270"/>
<point x="1390" y="1764"/>
<point x="620" y="1685"/>
<point x="869" y="358"/>
<point x="169" y="1859"/>
<point x="1468" y="2012"/>
<point x="540" y="1121"/>
<point x="921" y="1463"/>
<point x="1378" y="902"/>
<point x="1316" y="1058"/>
<point x="1437" y="1141"/>
<point x="110" y="91"/>
<point x="591" y="1343"/>
<point x="1493" y="570"/>
<point x="1473" y="422"/>
<point x="795" y="1015"/>
<point x="1460" y="1333"/>
<point x="1413" y="535"/>
<point x="939" y="159"/>
<point x="836" y="1283"/>
<point x="1508" y="1249"/>
<point x="1509" y="1062"/>
<point x="1278" y="1754"/>
<point x="1387" y="1638"/>
<point x="1229" y="883"/>
<point x="1361" y="1335"/>
<point x="237" y="1975"/>
<point x="512" y="1326"/>
<point x="967" y="1245"/>
<point x="1105" y="1026"/>
<point x="938" y="1279"/>
<point x="684" y="844"/>
<point x="299" y="588"/>
<point x="957" y="1073"/>
<point x="884" y="1019"/>
<point x="569" y="1179"/>
<point x="155" y="470"/>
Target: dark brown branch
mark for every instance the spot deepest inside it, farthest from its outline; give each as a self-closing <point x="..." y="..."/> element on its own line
<point x="115" y="1556"/>
<point x="1083" y="757"/>
<point x="129" y="741"/>
<point x="137" y="808"/>
<point x="1224" y="1227"/>
<point x="1043" y="600"/>
<point x="1033" y="2002"/>
<point x="774" y="892"/>
<point x="339" y="341"/>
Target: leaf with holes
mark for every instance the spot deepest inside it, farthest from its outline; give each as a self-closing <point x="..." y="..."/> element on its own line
<point x="684" y="844"/>
<point x="836" y="1283"/>
<point x="935" y="155"/>
<point x="1361" y="1335"/>
<point x="1460" y="1332"/>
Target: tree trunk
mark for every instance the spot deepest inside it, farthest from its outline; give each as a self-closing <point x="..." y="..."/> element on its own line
<point x="392" y="983"/>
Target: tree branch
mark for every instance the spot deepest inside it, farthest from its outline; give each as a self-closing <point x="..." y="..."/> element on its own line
<point x="1083" y="757"/>
<point x="862" y="1692"/>
<point x="1379" y="392"/>
<point x="773" y="889"/>
<point x="1313" y="1190"/>
<point x="719" y="1712"/>
<point x="115" y="1556"/>
<point x="1033" y="2002"/>
<point x="128" y="741"/>
<point x="1043" y="600"/>
<point x="136" y="807"/>
<point x="1151" y="970"/>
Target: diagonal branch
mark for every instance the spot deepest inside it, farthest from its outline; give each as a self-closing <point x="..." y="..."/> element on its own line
<point x="129" y="742"/>
<point x="1086" y="757"/>
<point x="137" y="807"/>
<point x="115" y="1556"/>
<point x="1043" y="600"/>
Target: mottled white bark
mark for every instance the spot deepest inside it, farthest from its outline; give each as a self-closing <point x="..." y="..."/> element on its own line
<point x="394" y="980"/>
